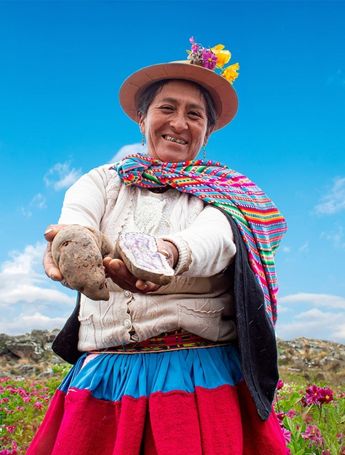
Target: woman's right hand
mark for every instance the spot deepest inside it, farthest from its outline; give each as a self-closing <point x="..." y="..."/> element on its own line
<point x="52" y="271"/>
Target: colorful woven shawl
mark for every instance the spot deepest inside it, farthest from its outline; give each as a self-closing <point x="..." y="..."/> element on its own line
<point x="260" y="223"/>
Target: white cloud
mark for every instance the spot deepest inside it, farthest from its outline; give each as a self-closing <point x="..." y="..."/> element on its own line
<point x="61" y="176"/>
<point x="128" y="150"/>
<point x="286" y="249"/>
<point x="336" y="237"/>
<point x="26" y="322"/>
<point x="27" y="296"/>
<point x="314" y="323"/>
<point x="334" y="200"/>
<point x="37" y="202"/>
<point x="318" y="300"/>
<point x="312" y="315"/>
<point x="304" y="248"/>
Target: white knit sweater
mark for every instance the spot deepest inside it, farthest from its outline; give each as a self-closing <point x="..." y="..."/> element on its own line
<point x="197" y="300"/>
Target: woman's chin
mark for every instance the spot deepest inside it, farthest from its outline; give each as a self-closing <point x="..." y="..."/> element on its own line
<point x="172" y="155"/>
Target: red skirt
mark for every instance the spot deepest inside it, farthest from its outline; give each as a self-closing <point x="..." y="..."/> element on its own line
<point x="186" y="402"/>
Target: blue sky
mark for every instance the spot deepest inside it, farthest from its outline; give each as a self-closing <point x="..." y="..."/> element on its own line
<point x="62" y="64"/>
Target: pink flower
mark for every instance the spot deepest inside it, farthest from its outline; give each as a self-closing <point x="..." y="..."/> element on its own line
<point x="286" y="434"/>
<point x="209" y="59"/>
<point x="313" y="434"/>
<point x="10" y="428"/>
<point x="326" y="452"/>
<point x="325" y="395"/>
<point x="38" y="405"/>
<point x="280" y="384"/>
<point x="280" y="417"/>
<point x="291" y="414"/>
<point x="317" y="395"/>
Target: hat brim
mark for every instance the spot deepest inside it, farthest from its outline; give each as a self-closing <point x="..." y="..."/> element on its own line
<point x="221" y="91"/>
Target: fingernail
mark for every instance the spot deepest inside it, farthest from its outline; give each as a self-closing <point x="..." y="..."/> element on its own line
<point x="47" y="231"/>
<point x="53" y="276"/>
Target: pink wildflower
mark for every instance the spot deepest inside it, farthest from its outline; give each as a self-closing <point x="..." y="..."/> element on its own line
<point x="280" y="417"/>
<point x="326" y="452"/>
<point x="317" y="395"/>
<point x="325" y="395"/>
<point x="291" y="414"/>
<point x="38" y="405"/>
<point x="313" y="434"/>
<point x="286" y="435"/>
<point x="10" y="428"/>
<point x="280" y="384"/>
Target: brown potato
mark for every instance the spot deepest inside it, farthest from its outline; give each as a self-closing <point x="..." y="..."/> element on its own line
<point x="78" y="252"/>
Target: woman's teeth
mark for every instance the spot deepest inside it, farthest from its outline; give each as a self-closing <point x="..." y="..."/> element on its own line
<point x="174" y="139"/>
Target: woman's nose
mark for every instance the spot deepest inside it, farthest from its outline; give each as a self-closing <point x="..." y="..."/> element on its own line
<point x="178" y="122"/>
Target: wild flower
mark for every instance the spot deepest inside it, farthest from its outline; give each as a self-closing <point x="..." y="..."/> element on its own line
<point x="313" y="434"/>
<point x="38" y="405"/>
<point x="286" y="434"/>
<point x="317" y="395"/>
<point x="280" y="384"/>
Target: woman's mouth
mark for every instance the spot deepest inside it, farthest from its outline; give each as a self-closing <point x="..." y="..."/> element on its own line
<point x="177" y="140"/>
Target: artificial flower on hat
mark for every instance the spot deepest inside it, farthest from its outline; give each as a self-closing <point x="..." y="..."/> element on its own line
<point x="214" y="59"/>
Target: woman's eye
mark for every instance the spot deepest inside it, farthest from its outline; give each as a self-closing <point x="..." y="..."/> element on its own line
<point x="194" y="114"/>
<point x="166" y="108"/>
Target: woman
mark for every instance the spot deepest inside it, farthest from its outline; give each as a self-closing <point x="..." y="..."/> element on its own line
<point x="188" y="367"/>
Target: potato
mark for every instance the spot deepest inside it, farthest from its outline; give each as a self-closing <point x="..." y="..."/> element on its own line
<point x="78" y="252"/>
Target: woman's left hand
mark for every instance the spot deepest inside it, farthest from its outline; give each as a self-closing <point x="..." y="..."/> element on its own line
<point x="118" y="272"/>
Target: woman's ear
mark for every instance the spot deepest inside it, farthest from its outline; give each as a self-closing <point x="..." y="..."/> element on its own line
<point x="207" y="135"/>
<point x="141" y="122"/>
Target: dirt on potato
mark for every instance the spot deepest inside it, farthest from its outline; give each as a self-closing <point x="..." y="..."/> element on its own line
<point x="78" y="253"/>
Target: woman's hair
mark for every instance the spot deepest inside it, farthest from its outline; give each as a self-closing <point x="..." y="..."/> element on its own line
<point x="147" y="96"/>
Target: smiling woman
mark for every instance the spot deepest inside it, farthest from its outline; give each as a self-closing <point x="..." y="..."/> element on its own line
<point x="182" y="357"/>
<point x="175" y="125"/>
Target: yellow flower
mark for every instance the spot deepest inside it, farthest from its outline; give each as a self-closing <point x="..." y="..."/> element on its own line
<point x="230" y="73"/>
<point x="223" y="56"/>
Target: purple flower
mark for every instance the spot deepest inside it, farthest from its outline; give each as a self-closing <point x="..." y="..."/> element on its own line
<point x="313" y="434"/>
<point x="38" y="405"/>
<point x="209" y="59"/>
<point x="291" y="414"/>
<point x="280" y="417"/>
<point x="286" y="435"/>
<point x="325" y="395"/>
<point x="317" y="395"/>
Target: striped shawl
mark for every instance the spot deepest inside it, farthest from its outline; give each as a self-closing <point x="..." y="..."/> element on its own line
<point x="260" y="223"/>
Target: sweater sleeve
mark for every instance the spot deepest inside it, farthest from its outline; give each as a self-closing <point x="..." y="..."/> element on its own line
<point x="85" y="200"/>
<point x="206" y="247"/>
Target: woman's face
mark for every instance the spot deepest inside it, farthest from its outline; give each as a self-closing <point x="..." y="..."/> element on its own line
<point x="175" y="125"/>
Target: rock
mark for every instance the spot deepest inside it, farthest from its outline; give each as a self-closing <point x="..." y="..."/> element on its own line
<point x="315" y="360"/>
<point x="28" y="355"/>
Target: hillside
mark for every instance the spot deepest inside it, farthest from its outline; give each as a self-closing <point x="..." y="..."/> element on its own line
<point x="313" y="360"/>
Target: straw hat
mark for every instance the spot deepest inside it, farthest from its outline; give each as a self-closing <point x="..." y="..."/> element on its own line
<point x="220" y="89"/>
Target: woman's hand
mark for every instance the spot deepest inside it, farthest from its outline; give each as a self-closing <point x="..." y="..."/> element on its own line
<point x="169" y="250"/>
<point x="52" y="271"/>
<point x="118" y="272"/>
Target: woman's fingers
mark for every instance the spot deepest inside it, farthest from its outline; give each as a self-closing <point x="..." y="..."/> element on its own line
<point x="146" y="286"/>
<point x="52" y="230"/>
<point x="52" y="271"/>
<point x="118" y="272"/>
